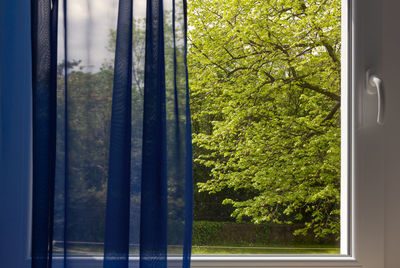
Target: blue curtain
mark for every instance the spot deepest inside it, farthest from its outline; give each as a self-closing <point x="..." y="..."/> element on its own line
<point x="15" y="133"/>
<point x="112" y="159"/>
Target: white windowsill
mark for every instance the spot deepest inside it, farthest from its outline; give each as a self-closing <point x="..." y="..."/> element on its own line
<point x="237" y="261"/>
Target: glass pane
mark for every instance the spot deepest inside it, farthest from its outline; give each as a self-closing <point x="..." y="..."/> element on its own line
<point x="265" y="99"/>
<point x="88" y="69"/>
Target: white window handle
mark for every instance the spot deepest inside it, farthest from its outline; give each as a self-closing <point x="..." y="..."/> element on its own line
<point x="374" y="86"/>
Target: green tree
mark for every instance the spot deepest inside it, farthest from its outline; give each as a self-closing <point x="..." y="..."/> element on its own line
<point x="89" y="118"/>
<point x="265" y="96"/>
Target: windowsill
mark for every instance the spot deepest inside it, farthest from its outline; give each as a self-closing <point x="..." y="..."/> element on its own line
<point x="294" y="260"/>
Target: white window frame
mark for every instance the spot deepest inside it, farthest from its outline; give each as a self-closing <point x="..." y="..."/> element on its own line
<point x="362" y="191"/>
<point x="361" y="220"/>
<point x="361" y="223"/>
<point x="345" y="258"/>
<point x="362" y="195"/>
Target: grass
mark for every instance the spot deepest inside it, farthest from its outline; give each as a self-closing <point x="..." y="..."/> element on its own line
<point x="226" y="249"/>
<point x="300" y="249"/>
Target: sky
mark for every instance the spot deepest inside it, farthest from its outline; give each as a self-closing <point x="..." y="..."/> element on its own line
<point x="88" y="26"/>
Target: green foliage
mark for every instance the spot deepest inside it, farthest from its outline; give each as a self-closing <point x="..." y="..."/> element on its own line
<point x="230" y="233"/>
<point x="89" y="120"/>
<point x="206" y="232"/>
<point x="89" y="97"/>
<point x="265" y="96"/>
<point x="212" y="233"/>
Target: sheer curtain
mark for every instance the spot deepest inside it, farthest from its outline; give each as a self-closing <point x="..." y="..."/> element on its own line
<point x="112" y="160"/>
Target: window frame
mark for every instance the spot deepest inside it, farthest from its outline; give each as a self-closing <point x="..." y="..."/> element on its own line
<point x="362" y="194"/>
<point x="346" y="258"/>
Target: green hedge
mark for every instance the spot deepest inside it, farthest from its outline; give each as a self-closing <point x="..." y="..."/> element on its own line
<point x="208" y="233"/>
<point x="222" y="233"/>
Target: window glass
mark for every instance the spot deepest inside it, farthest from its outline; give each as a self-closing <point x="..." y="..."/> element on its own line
<point x="265" y="100"/>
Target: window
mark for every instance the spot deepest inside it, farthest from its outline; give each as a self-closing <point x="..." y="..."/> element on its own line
<point x="265" y="95"/>
<point x="371" y="220"/>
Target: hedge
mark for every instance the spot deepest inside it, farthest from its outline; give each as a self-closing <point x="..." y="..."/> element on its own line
<point x="230" y="233"/>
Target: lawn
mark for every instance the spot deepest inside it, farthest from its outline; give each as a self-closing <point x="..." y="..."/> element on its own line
<point x="301" y="249"/>
<point x="225" y="249"/>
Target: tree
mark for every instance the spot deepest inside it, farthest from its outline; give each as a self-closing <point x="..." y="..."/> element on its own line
<point x="89" y="98"/>
<point x="265" y="96"/>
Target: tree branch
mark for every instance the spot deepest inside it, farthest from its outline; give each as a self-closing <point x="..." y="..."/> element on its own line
<point x="332" y="113"/>
<point x="331" y="51"/>
<point x="318" y="89"/>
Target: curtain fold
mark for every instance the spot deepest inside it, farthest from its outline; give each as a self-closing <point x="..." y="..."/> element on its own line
<point x="44" y="16"/>
<point x="116" y="245"/>
<point x="153" y="236"/>
<point x="112" y="170"/>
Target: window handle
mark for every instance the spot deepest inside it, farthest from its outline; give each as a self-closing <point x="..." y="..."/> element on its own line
<point x="374" y="86"/>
